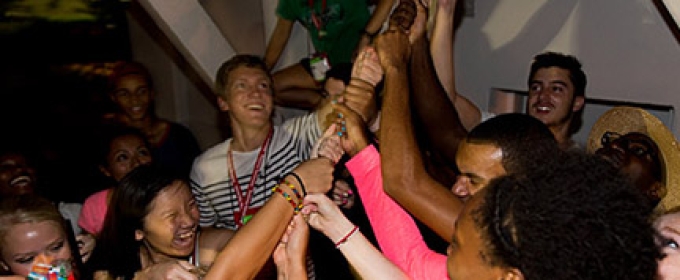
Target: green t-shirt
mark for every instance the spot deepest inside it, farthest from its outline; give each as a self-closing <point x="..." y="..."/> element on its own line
<point x="343" y="22"/>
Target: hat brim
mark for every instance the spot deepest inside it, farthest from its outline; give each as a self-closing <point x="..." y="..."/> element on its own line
<point x="625" y="119"/>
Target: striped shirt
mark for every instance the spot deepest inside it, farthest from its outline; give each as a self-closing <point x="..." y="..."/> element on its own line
<point x="290" y="145"/>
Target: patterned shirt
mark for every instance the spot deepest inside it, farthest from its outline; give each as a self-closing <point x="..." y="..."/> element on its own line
<point x="290" y="145"/>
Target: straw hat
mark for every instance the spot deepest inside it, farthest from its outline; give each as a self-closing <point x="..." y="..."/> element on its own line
<point x="623" y="120"/>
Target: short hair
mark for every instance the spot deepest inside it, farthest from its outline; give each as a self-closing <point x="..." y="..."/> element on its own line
<point x="125" y="68"/>
<point x="117" y="251"/>
<point x="524" y="140"/>
<point x="574" y="218"/>
<point x="20" y="209"/>
<point x="245" y="60"/>
<point x="567" y="62"/>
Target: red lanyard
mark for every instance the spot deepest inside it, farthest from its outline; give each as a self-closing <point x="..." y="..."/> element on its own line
<point x="316" y="19"/>
<point x="243" y="203"/>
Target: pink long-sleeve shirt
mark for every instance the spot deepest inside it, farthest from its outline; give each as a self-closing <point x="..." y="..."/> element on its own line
<point x="396" y="232"/>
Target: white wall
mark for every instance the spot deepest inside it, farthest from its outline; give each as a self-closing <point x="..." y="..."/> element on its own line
<point x="627" y="50"/>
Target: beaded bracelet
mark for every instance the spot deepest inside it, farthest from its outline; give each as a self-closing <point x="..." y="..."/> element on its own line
<point x="296" y="207"/>
<point x="295" y="191"/>
<point x="302" y="185"/>
<point x="347" y="236"/>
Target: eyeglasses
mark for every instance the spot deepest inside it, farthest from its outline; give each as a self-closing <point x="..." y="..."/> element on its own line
<point x="638" y="147"/>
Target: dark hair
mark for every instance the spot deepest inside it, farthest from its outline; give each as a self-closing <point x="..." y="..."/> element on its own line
<point x="567" y="62"/>
<point x="125" y="68"/>
<point x="572" y="218"/>
<point x="107" y="133"/>
<point x="524" y="140"/>
<point x="117" y="251"/>
<point x="245" y="60"/>
<point x="340" y="71"/>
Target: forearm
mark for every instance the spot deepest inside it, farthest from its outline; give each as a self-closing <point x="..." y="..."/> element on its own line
<point x="442" y="48"/>
<point x="367" y="261"/>
<point x="277" y="42"/>
<point x="431" y="104"/>
<point x="379" y="15"/>
<point x="405" y="178"/>
<point x="396" y="232"/>
<point x="443" y="55"/>
<point x="253" y="244"/>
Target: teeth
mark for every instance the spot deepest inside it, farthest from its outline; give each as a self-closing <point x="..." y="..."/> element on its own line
<point x="186" y="235"/>
<point x="21" y="180"/>
<point x="543" y="108"/>
<point x="255" y="107"/>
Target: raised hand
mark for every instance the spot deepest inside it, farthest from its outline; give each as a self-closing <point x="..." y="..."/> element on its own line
<point x="328" y="145"/>
<point x="325" y="216"/>
<point x="367" y="67"/>
<point x="316" y="175"/>
<point x="393" y="50"/>
<point x="419" y="26"/>
<point x="86" y="243"/>
<point x="402" y="16"/>
<point x="291" y="252"/>
<point x="351" y="128"/>
<point x="343" y="195"/>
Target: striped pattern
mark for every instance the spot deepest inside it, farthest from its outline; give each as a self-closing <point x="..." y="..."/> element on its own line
<point x="291" y="144"/>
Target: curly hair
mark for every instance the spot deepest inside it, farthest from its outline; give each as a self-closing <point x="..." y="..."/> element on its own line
<point x="575" y="218"/>
<point x="511" y="132"/>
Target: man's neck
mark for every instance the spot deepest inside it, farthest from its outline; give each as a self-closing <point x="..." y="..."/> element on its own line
<point x="562" y="135"/>
<point x="248" y="139"/>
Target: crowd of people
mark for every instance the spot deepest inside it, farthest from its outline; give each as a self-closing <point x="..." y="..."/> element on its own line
<point x="387" y="162"/>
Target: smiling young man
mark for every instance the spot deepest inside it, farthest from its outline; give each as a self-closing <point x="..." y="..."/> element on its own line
<point x="557" y="94"/>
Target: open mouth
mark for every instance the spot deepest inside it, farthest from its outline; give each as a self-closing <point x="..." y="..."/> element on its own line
<point x="257" y="107"/>
<point x="21" y="181"/>
<point x="185" y="239"/>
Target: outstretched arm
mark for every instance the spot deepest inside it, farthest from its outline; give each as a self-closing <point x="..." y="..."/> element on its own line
<point x="403" y="166"/>
<point x="366" y="260"/>
<point x="442" y="48"/>
<point x="253" y="244"/>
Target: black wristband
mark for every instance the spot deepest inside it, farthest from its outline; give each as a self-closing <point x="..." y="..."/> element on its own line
<point x="369" y="34"/>
<point x="302" y="185"/>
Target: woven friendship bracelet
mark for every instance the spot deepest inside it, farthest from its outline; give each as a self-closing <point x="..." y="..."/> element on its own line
<point x="296" y="207"/>
<point x="347" y="236"/>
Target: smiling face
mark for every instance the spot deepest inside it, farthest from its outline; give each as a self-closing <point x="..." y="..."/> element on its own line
<point x="24" y="242"/>
<point x="668" y="227"/>
<point x="248" y="96"/>
<point x="133" y="96"/>
<point x="478" y="165"/>
<point x="169" y="229"/>
<point x="551" y="97"/>
<point x="17" y="176"/>
<point x="638" y="157"/>
<point x="125" y="154"/>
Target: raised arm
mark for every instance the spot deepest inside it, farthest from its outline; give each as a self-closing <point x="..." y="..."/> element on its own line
<point x="402" y="164"/>
<point x="277" y="42"/>
<point x="429" y="100"/>
<point x="442" y="49"/>
<point x="253" y="244"/>
<point x="378" y="17"/>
